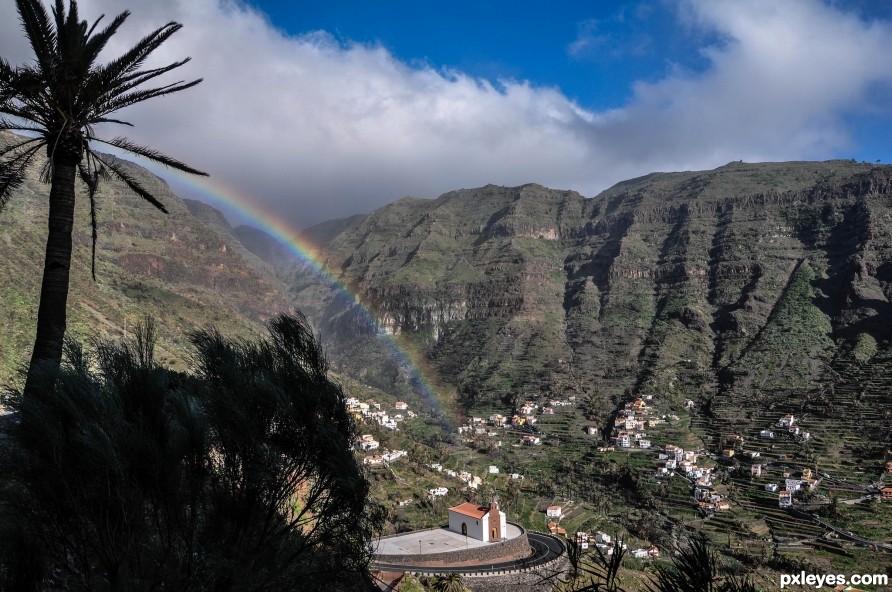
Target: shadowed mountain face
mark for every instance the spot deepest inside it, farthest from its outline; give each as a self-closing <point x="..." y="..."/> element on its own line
<point x="186" y="269"/>
<point x="755" y="283"/>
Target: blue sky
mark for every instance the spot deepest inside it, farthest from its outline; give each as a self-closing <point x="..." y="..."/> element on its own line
<point x="325" y="109"/>
<point x="592" y="51"/>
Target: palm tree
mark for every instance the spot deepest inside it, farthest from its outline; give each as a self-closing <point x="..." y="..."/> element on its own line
<point x="57" y="101"/>
<point x="451" y="582"/>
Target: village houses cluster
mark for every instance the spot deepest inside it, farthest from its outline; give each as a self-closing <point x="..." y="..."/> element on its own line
<point x="526" y="416"/>
<point x="371" y="411"/>
<point x="604" y="542"/>
<point x="787" y="423"/>
<point x="367" y="443"/>
<point x="470" y="480"/>
<point x="805" y="481"/>
<point x="628" y="432"/>
<point x="630" y="423"/>
<point x="792" y="484"/>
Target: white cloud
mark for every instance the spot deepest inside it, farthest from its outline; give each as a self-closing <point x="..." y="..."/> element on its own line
<point x="316" y="129"/>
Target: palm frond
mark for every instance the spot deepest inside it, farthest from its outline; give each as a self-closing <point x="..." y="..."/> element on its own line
<point x="145" y="75"/>
<point x="10" y="126"/>
<point x="132" y="183"/>
<point x="46" y="174"/>
<point x="11" y="148"/>
<point x="130" y="61"/>
<point x="10" y="180"/>
<point x="153" y="155"/>
<point x="97" y="42"/>
<point x="21" y="113"/>
<point x="36" y="23"/>
<point x="139" y="96"/>
<point x="12" y="172"/>
<point x="109" y="120"/>
<point x="125" y="83"/>
<point x="94" y="25"/>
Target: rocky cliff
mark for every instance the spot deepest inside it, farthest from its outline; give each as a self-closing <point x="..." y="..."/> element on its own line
<point x="751" y="282"/>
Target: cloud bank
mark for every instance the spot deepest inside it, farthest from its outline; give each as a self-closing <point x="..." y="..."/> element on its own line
<point x="314" y="128"/>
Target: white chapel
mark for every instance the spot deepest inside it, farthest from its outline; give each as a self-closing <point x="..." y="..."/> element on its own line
<point x="487" y="524"/>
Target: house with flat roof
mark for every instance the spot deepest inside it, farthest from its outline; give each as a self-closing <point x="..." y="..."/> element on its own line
<point x="487" y="524"/>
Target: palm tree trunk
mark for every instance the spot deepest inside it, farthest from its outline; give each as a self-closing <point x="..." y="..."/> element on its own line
<point x="51" y="314"/>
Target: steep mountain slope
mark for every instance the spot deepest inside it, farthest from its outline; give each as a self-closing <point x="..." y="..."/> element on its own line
<point x="750" y="285"/>
<point x="177" y="268"/>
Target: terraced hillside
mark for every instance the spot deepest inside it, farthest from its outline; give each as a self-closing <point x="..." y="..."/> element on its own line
<point x="752" y="288"/>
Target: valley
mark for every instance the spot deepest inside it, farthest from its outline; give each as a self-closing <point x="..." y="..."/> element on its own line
<point x="678" y="316"/>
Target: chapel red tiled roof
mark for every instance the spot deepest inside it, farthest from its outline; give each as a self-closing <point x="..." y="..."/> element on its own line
<point x="470" y="509"/>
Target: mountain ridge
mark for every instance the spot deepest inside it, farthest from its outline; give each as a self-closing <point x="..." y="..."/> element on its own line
<point x="752" y="280"/>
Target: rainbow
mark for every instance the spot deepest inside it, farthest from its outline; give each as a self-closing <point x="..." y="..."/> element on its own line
<point x="217" y="193"/>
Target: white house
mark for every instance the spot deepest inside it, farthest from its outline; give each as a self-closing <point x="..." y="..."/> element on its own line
<point x="392" y="455"/>
<point x="772" y="487"/>
<point x="369" y="445"/>
<point x="784" y="499"/>
<point x="787" y="421"/>
<point x="766" y="434"/>
<point x="438" y="492"/>
<point x="553" y="512"/>
<point x="401" y="405"/>
<point x="487" y="524"/>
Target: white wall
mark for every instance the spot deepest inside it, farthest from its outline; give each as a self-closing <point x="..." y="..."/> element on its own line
<point x="477" y="528"/>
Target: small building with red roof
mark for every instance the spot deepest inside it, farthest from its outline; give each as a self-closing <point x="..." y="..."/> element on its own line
<point x="487" y="524"/>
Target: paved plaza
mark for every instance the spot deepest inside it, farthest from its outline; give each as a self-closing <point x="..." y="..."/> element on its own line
<point x="433" y="541"/>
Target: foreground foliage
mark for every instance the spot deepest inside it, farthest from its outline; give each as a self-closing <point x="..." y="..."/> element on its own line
<point x="592" y="572"/>
<point x="696" y="568"/>
<point x="127" y="476"/>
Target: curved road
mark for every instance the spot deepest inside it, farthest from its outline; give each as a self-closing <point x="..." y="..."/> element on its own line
<point x="545" y="548"/>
